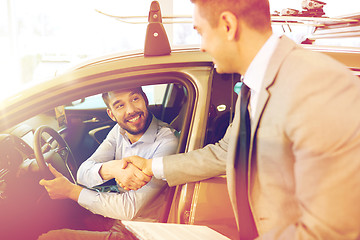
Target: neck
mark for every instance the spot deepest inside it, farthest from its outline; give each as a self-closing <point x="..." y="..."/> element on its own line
<point x="136" y="137"/>
<point x="249" y="44"/>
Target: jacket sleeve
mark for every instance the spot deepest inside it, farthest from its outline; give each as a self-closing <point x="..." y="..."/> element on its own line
<point x="197" y="165"/>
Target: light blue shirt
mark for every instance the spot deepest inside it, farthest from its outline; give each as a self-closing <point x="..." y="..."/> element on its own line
<point x="253" y="78"/>
<point x="159" y="140"/>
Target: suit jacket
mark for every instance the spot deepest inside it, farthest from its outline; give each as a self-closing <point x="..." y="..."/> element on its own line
<point x="304" y="180"/>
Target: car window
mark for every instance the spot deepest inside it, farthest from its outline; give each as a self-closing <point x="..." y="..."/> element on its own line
<point x="155" y="94"/>
<point x="222" y="104"/>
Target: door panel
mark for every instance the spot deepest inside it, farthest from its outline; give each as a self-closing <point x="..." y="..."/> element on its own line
<point x="80" y="122"/>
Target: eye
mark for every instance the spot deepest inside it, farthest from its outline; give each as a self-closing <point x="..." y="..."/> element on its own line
<point x="119" y="106"/>
<point x="135" y="99"/>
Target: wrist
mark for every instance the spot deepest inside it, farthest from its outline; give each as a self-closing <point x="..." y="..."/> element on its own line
<point x="148" y="168"/>
<point x="105" y="171"/>
<point x="75" y="192"/>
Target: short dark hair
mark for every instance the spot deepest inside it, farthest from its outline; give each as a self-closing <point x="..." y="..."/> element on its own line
<point x="105" y="96"/>
<point x="255" y="13"/>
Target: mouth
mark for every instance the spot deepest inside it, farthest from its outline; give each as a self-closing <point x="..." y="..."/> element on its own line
<point x="134" y="118"/>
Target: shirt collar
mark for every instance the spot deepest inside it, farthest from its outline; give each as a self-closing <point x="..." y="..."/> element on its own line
<point x="150" y="134"/>
<point x="255" y="73"/>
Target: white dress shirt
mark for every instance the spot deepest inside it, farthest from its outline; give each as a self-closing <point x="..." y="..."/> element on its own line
<point x="158" y="140"/>
<point x="255" y="73"/>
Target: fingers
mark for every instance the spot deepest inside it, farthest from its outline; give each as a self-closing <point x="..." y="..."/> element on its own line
<point x="47" y="185"/>
<point x="54" y="171"/>
<point x="129" y="184"/>
<point x="60" y="188"/>
<point x="43" y="182"/>
<point x="123" y="186"/>
<point x="132" y="178"/>
<point x="141" y="176"/>
<point x="135" y="160"/>
<point x="143" y="164"/>
<point x="124" y="164"/>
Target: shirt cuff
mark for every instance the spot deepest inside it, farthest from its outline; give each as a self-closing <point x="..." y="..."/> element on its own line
<point x="158" y="168"/>
<point x="91" y="177"/>
<point x="96" y="170"/>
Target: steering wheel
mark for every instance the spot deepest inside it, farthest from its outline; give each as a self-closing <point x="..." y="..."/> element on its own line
<point x="55" y="151"/>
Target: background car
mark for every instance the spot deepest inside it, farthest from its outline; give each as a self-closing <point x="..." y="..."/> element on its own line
<point x="184" y="90"/>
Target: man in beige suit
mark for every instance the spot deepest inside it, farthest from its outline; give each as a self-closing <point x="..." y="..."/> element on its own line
<point x="304" y="162"/>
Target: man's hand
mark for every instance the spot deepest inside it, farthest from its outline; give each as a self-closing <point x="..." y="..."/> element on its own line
<point x="139" y="167"/>
<point x="60" y="187"/>
<point x="143" y="164"/>
<point x="126" y="175"/>
<point x="109" y="169"/>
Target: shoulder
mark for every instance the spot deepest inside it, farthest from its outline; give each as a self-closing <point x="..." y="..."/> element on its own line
<point x="314" y="60"/>
<point x="310" y="66"/>
<point x="164" y="130"/>
<point x="114" y="133"/>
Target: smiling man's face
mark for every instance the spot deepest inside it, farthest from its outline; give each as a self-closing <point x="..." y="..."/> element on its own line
<point x="129" y="109"/>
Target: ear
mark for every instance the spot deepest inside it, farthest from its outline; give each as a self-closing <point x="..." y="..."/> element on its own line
<point x="110" y="114"/>
<point x="229" y="24"/>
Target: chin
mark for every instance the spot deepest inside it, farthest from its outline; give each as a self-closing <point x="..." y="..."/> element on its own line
<point x="222" y="70"/>
<point x="217" y="68"/>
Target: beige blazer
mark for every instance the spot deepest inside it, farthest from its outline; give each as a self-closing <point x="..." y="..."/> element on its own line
<point x="304" y="180"/>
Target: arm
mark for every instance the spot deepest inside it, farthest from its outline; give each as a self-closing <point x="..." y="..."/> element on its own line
<point x="124" y="206"/>
<point x="88" y="173"/>
<point x="193" y="166"/>
<point x="128" y="204"/>
<point x="197" y="165"/>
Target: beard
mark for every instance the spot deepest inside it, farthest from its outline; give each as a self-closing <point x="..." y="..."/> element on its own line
<point x="135" y="130"/>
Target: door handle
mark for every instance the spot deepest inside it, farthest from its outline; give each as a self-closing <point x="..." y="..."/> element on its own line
<point x="93" y="120"/>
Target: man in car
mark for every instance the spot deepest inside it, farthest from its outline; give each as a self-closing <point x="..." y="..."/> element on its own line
<point x="137" y="132"/>
<point x="302" y="175"/>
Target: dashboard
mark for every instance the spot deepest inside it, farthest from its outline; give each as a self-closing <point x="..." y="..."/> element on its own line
<point x="15" y="156"/>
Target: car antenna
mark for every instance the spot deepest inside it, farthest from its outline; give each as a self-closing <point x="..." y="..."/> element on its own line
<point x="156" y="40"/>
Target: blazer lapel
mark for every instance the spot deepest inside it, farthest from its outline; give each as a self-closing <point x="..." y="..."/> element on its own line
<point x="283" y="49"/>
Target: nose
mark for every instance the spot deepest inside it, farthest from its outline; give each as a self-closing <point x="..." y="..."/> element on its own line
<point x="130" y="109"/>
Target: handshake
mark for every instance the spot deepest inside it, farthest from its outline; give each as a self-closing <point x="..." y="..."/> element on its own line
<point x="130" y="173"/>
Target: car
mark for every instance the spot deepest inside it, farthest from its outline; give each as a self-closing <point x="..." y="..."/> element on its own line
<point x="62" y="121"/>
